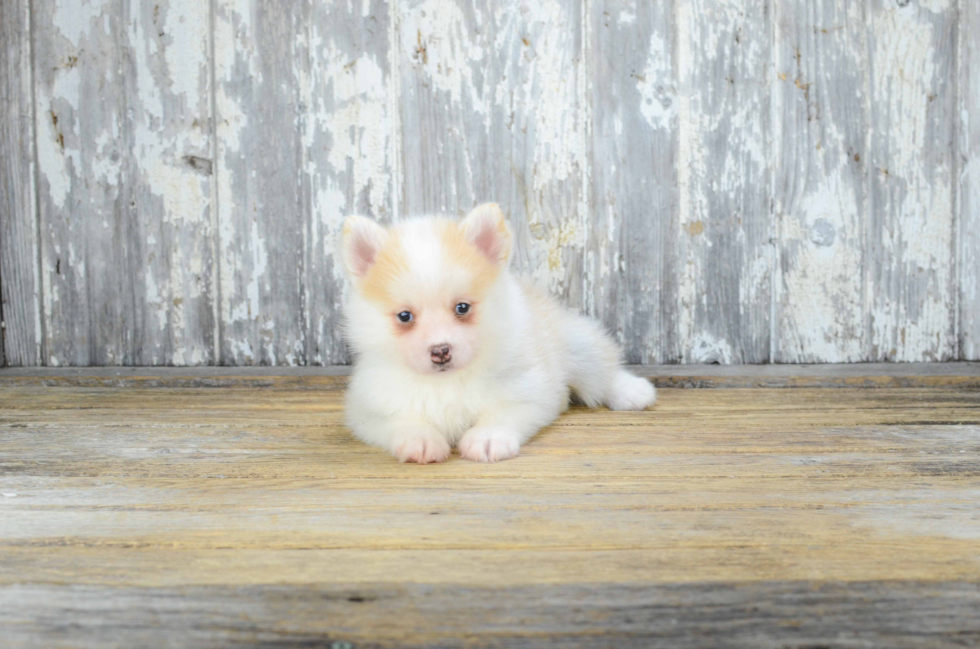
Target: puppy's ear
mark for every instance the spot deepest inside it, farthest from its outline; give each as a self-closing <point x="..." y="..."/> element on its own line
<point x="487" y="229"/>
<point x="361" y="240"/>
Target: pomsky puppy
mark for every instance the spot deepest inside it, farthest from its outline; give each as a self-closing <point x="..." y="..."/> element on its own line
<point x="450" y="348"/>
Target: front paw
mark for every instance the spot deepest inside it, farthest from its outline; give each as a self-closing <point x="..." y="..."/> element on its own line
<point x="489" y="444"/>
<point x="421" y="448"/>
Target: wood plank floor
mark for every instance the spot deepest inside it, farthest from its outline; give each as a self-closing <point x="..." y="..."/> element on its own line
<point x="248" y="516"/>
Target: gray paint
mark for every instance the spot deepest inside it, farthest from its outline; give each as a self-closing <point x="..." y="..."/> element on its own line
<point x="303" y="139"/>
<point x="633" y="255"/>
<point x="788" y="181"/>
<point x="909" y="268"/>
<point x="820" y="202"/>
<point x="725" y="252"/>
<point x="492" y="108"/>
<point x="122" y="101"/>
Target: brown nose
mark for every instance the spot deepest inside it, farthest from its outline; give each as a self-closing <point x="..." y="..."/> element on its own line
<point x="440" y="354"/>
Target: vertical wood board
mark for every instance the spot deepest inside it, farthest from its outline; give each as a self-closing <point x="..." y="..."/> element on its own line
<point x="263" y="194"/>
<point x="634" y="225"/>
<point x="349" y="143"/>
<point x="909" y="273"/>
<point x="304" y="140"/>
<point x="122" y="119"/>
<point x="21" y="336"/>
<point x="968" y="60"/>
<point x="820" y="171"/>
<point x="725" y="247"/>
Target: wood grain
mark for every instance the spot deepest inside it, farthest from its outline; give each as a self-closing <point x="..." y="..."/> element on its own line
<point x="124" y="171"/>
<point x="634" y="225"/>
<point x="20" y="338"/>
<point x="820" y="192"/>
<point x="251" y="516"/>
<point x="724" y="249"/>
<point x="968" y="166"/>
<point x="497" y="94"/>
<point x="909" y="270"/>
<point x="304" y="139"/>
<point x="751" y="615"/>
<point x="263" y="190"/>
<point x="350" y="150"/>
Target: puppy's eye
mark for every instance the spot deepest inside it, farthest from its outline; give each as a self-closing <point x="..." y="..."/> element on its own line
<point x="462" y="308"/>
<point x="405" y="316"/>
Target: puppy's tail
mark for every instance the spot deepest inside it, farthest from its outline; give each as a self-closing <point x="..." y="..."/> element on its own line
<point x="595" y="368"/>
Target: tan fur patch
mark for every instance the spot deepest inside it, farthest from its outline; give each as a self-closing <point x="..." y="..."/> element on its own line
<point x="462" y="252"/>
<point x="389" y="264"/>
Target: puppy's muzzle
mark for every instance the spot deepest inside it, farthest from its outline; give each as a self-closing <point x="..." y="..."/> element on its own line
<point x="441" y="354"/>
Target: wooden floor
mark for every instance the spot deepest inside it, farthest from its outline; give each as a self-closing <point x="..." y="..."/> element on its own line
<point x="248" y="516"/>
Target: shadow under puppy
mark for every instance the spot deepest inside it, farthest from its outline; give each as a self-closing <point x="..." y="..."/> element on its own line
<point x="450" y="348"/>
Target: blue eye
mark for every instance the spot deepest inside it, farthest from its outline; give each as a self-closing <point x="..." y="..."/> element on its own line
<point x="405" y="316"/>
<point x="462" y="308"/>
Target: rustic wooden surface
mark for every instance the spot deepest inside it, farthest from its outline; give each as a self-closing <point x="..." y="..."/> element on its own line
<point x="20" y="336"/>
<point x="717" y="181"/>
<point x="244" y="516"/>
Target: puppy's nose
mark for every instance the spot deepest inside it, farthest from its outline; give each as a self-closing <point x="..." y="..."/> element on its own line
<point x="440" y="353"/>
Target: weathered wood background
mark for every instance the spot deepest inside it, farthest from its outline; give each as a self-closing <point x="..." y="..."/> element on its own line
<point x="718" y="180"/>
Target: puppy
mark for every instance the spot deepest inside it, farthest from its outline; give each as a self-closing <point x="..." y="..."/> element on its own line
<point x="451" y="349"/>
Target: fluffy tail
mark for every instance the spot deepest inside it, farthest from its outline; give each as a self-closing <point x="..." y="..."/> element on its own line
<point x="595" y="368"/>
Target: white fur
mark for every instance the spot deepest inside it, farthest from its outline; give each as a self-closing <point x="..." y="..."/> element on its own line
<point x="516" y="369"/>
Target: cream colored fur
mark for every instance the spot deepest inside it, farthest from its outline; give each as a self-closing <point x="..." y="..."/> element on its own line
<point x="519" y="356"/>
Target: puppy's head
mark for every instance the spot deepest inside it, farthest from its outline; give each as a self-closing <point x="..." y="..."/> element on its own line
<point x="424" y="287"/>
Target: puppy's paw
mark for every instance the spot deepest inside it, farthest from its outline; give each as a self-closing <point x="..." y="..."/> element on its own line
<point x="631" y="393"/>
<point x="420" y="448"/>
<point x="489" y="444"/>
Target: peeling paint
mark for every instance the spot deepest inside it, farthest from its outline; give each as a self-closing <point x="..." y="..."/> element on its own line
<point x="113" y="179"/>
<point x="657" y="101"/>
<point x="722" y="109"/>
<point x="912" y="318"/>
<point x="790" y="197"/>
<point x="74" y="19"/>
<point x="438" y="35"/>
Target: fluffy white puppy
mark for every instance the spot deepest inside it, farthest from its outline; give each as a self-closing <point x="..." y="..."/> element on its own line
<point x="451" y="349"/>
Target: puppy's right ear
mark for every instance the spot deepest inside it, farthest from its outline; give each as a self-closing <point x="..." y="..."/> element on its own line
<point x="361" y="241"/>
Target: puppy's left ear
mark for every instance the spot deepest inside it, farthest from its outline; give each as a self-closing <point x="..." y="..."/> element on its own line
<point x="487" y="229"/>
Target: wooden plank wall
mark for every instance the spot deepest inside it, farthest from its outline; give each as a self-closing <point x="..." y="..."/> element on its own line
<point x="19" y="313"/>
<point x="722" y="181"/>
